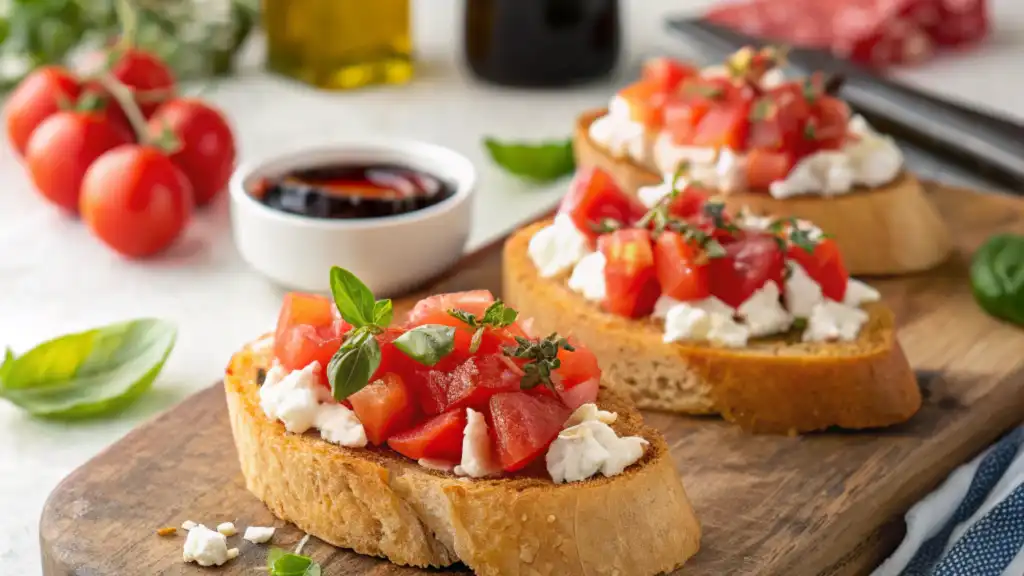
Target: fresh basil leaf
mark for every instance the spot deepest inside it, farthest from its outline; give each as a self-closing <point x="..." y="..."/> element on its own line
<point x="542" y="162"/>
<point x="354" y="300"/>
<point x="281" y="563"/>
<point x="7" y="363"/>
<point x="90" y="373"/>
<point x="469" y="319"/>
<point x="427" y="344"/>
<point x="351" y="367"/>
<point x="498" y="315"/>
<point x="382" y="313"/>
<point x="997" y="277"/>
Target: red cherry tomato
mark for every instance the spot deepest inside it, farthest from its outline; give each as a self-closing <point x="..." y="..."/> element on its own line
<point x="207" y="149"/>
<point x="385" y="406"/>
<point x="63" y="147"/>
<point x="681" y="267"/>
<point x="825" y="266"/>
<point x="631" y="282"/>
<point x="749" y="263"/>
<point x="593" y="197"/>
<point x="471" y="384"/>
<point x="308" y="330"/>
<point x="577" y="366"/>
<point x="135" y="200"/>
<point x="524" y="426"/>
<point x="438" y="438"/>
<point x="764" y="167"/>
<point x="147" y="76"/>
<point x="36" y="98"/>
<point x="666" y="73"/>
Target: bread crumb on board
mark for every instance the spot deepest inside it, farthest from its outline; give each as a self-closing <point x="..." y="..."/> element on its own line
<point x="167" y="531"/>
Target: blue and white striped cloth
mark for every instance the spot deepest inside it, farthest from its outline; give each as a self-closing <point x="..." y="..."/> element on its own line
<point x="972" y="525"/>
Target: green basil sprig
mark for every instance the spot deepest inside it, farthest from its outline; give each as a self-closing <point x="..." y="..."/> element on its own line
<point x="997" y="277"/>
<point x="352" y="366"/>
<point x="283" y="563"/>
<point x="87" y="374"/>
<point x="542" y="162"/>
<point x="497" y="315"/>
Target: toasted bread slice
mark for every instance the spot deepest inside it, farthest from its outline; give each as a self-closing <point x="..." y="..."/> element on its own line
<point x="774" y="385"/>
<point x="893" y="229"/>
<point x="377" y="502"/>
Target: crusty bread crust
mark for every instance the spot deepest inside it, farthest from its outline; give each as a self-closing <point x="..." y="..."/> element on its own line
<point x="775" y="385"/>
<point x="379" y="503"/>
<point x="893" y="229"/>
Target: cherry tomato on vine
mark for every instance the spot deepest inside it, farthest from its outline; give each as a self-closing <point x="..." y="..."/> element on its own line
<point x="39" y="96"/>
<point x="206" y="153"/>
<point x="136" y="200"/>
<point x="63" y="147"/>
<point x="148" y="78"/>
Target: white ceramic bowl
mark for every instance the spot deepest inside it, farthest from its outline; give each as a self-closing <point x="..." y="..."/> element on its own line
<point x="390" y="254"/>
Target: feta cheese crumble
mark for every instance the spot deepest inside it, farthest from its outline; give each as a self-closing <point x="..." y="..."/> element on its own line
<point x="558" y="247"/>
<point x="258" y="534"/>
<point x="763" y="313"/>
<point x="205" y="547"/>
<point x="617" y="132"/>
<point x="227" y="529"/>
<point x="590" y="446"/>
<point x="831" y="321"/>
<point x="478" y="458"/>
<point x="588" y="277"/>
<point x="292" y="397"/>
<point x="341" y="426"/>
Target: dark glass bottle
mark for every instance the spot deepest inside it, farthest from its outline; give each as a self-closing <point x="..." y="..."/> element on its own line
<point x="541" y="42"/>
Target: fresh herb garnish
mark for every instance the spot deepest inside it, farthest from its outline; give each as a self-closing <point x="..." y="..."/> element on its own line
<point x="789" y="229"/>
<point x="543" y="359"/>
<point x="352" y="366"/>
<point x="87" y="374"/>
<point x="605" y="226"/>
<point x="810" y="131"/>
<point x="283" y="563"/>
<point x="541" y="162"/>
<point x="497" y="315"/>
<point x="715" y="211"/>
<point x="810" y="92"/>
<point x="427" y="344"/>
<point x="763" y="109"/>
<point x="997" y="277"/>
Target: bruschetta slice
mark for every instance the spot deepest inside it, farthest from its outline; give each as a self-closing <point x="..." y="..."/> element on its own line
<point x="773" y="146"/>
<point x="464" y="440"/>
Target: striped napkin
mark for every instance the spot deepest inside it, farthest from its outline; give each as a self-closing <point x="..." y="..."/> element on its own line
<point x="972" y="525"/>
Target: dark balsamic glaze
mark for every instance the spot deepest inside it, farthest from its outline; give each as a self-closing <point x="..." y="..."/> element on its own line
<point x="353" y="191"/>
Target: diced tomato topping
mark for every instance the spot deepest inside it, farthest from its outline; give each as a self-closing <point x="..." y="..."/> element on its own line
<point x="309" y="329"/>
<point x="831" y="117"/>
<point x="472" y="383"/>
<point x="524" y="426"/>
<point x="578" y="365"/>
<point x="434" y="310"/>
<point x="689" y="202"/>
<point x="724" y="127"/>
<point x="385" y="406"/>
<point x="764" y="167"/>
<point x="583" y="393"/>
<point x="825" y="266"/>
<point x="681" y="267"/>
<point x="646" y="103"/>
<point x="631" y="283"/>
<point x="395" y="361"/>
<point x="749" y="263"/>
<point x="666" y="73"/>
<point x="594" y="197"/>
<point x="439" y="438"/>
<point x="684" y="110"/>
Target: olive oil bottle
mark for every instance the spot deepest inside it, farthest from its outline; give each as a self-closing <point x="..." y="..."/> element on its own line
<point x="339" y="44"/>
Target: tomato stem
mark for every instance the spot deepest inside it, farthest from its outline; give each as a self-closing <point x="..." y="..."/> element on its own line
<point x="123" y="96"/>
<point x="129" y="22"/>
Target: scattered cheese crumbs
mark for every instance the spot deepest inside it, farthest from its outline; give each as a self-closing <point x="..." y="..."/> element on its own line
<point x="258" y="534"/>
<point x="205" y="547"/>
<point x="232" y="553"/>
<point x="302" y="544"/>
<point x="188" y="525"/>
<point x="167" y="531"/>
<point x="227" y="529"/>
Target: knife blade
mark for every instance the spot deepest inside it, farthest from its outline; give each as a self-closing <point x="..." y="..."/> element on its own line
<point x="984" y="143"/>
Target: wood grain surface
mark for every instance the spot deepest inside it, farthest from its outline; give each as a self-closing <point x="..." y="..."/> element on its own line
<point x="823" y="504"/>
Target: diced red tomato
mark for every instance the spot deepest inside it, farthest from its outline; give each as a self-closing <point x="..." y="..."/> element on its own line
<point x="764" y="167"/>
<point x="583" y="393"/>
<point x="646" y="103"/>
<point x="385" y="406"/>
<point x="472" y="383"/>
<point x="825" y="266"/>
<point x="666" y="73"/>
<point x="684" y="110"/>
<point x="578" y="365"/>
<point x="681" y="267"/>
<point x="439" y="438"/>
<point x="393" y="360"/>
<point x="832" y="117"/>
<point x="434" y="310"/>
<point x="524" y="426"/>
<point x="724" y="127"/>
<point x="748" y="264"/>
<point x="593" y="197"/>
<point x="309" y="329"/>
<point x="689" y="202"/>
<point x="631" y="283"/>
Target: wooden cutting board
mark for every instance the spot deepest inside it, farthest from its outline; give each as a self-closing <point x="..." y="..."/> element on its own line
<point x="824" y="504"/>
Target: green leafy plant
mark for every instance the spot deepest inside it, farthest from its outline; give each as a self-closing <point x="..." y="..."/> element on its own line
<point x="543" y="359"/>
<point x="997" y="277"/>
<point x="497" y="315"/>
<point x="283" y="563"/>
<point x="92" y="373"/>
<point x="540" y="162"/>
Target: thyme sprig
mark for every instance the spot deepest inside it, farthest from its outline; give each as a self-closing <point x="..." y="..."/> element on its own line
<point x="543" y="359"/>
<point x="497" y="315"/>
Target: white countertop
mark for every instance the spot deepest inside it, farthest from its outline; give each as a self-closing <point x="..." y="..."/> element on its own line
<point x="55" y="278"/>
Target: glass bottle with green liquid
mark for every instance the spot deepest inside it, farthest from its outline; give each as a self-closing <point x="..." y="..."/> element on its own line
<point x="339" y="44"/>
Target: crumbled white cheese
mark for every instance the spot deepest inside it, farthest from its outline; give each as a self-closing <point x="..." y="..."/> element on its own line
<point x="205" y="547"/>
<point x="188" y="525"/>
<point x="232" y="553"/>
<point x="293" y="399"/>
<point x="478" y="458"/>
<point x="826" y="172"/>
<point x="340" y="425"/>
<point x="589" y="446"/>
<point x="876" y="158"/>
<point x="858" y="293"/>
<point x="730" y="172"/>
<point x="763" y="313"/>
<point x="649" y="196"/>
<point x="258" y="534"/>
<point x="750" y="221"/>
<point x="831" y="321"/>
<point x="617" y="132"/>
<point x="557" y="247"/>
<point x="227" y="529"/>
<point x="709" y="319"/>
<point x="435" y="464"/>
<point x="588" y="277"/>
<point x="802" y="292"/>
<point x="710" y="304"/>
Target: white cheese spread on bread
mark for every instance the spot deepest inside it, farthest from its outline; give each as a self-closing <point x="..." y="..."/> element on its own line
<point x="588" y="446"/>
